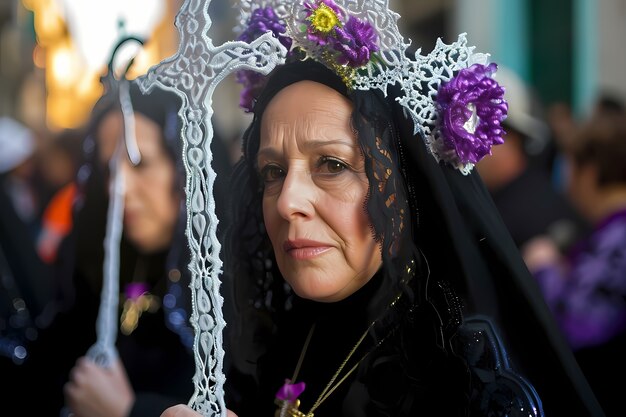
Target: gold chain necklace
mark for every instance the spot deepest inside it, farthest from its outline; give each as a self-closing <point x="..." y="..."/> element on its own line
<point x="289" y="404"/>
<point x="290" y="408"/>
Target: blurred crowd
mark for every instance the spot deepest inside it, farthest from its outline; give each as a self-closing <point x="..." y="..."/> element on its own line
<point x="55" y="194"/>
<point x="559" y="181"/>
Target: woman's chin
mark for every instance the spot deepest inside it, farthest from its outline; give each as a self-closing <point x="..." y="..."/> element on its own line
<point x="146" y="244"/>
<point x="319" y="295"/>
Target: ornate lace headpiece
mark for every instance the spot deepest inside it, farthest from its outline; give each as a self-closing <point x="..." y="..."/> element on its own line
<point x="450" y="93"/>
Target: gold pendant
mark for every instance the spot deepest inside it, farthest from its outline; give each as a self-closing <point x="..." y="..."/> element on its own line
<point x="290" y="409"/>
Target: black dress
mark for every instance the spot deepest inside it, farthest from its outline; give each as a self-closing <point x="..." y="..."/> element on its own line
<point x="159" y="365"/>
<point x="443" y="351"/>
<point x="415" y="360"/>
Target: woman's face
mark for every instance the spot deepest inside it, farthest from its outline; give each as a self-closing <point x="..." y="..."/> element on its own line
<point x="314" y="196"/>
<point x="151" y="205"/>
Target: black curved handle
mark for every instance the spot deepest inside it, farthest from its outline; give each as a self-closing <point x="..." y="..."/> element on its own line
<point x="116" y="49"/>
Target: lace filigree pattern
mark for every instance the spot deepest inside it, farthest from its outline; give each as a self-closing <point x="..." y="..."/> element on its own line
<point x="193" y="73"/>
<point x="418" y="77"/>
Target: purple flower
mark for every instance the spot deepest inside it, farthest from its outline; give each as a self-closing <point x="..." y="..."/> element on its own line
<point x="312" y="6"/>
<point x="290" y="392"/>
<point x="253" y="83"/>
<point x="261" y="21"/>
<point x="324" y="17"/>
<point x="355" y="42"/>
<point x="472" y="107"/>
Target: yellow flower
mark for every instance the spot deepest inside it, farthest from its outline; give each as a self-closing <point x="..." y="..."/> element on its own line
<point x="324" y="19"/>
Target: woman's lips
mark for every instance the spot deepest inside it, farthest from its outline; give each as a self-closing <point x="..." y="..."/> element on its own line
<point x="305" y="249"/>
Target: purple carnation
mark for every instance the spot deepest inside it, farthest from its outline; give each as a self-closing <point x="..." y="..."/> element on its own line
<point x="355" y="42"/>
<point x="472" y="107"/>
<point x="262" y="20"/>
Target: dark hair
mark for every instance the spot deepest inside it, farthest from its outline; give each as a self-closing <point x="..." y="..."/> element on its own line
<point x="260" y="293"/>
<point x="159" y="105"/>
<point x="601" y="142"/>
<point x="609" y="102"/>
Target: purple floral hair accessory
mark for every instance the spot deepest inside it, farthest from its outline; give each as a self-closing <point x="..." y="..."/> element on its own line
<point x="342" y="46"/>
<point x="472" y="107"/>
<point x="262" y="20"/>
<point x="311" y="6"/>
<point x="290" y="392"/>
<point x="355" y="42"/>
<point x="253" y="83"/>
<point x="324" y="18"/>
<point x="450" y="94"/>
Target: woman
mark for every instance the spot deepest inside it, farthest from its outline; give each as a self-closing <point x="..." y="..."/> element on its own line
<point x="151" y="214"/>
<point x="152" y="219"/>
<point x="312" y="183"/>
<point x="155" y="362"/>
<point x="372" y="279"/>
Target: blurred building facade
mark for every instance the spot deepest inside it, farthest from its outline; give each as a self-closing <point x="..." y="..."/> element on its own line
<point x="570" y="51"/>
<point x="53" y="53"/>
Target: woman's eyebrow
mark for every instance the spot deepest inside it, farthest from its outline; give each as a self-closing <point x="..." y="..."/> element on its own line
<point x="268" y="152"/>
<point x="315" y="143"/>
<point x="271" y="153"/>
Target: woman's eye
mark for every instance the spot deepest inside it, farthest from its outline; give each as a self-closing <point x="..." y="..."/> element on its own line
<point x="333" y="166"/>
<point x="271" y="173"/>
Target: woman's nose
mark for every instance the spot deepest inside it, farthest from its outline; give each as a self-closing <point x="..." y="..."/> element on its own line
<point x="297" y="195"/>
